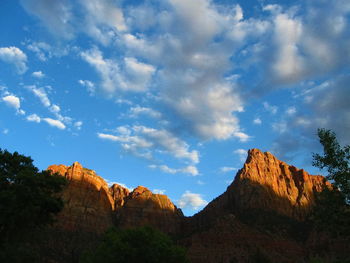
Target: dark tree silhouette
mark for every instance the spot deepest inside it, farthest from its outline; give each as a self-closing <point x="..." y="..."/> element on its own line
<point x="337" y="161"/>
<point x="143" y="244"/>
<point x="28" y="200"/>
<point x="332" y="210"/>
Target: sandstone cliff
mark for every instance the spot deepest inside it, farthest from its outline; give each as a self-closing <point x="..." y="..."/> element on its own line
<point x="269" y="184"/>
<point x="90" y="205"/>
<point x="260" y="213"/>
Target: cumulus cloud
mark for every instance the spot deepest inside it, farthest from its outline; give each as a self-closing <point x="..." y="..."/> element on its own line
<point x="257" y="121"/>
<point x="34" y="118"/>
<point x="55" y="15"/>
<point x="288" y="65"/>
<point x="103" y="19"/>
<point x="54" y="123"/>
<point x="38" y="74"/>
<point x="15" y="56"/>
<point x="191" y="201"/>
<point x="190" y="170"/>
<point x="138" y="111"/>
<point x="78" y="124"/>
<point x="132" y="75"/>
<point x="142" y="141"/>
<point x="12" y="101"/>
<point x="44" y="51"/>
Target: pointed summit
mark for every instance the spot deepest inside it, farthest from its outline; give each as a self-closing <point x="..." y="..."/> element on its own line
<point x="267" y="183"/>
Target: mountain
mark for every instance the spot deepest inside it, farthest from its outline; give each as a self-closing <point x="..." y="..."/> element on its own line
<point x="90" y="205"/>
<point x="261" y="215"/>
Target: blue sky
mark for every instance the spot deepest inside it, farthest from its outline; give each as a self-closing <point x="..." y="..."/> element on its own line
<point x="170" y="94"/>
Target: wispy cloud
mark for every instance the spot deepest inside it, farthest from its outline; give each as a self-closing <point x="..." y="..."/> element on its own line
<point x="190" y="170"/>
<point x="142" y="140"/>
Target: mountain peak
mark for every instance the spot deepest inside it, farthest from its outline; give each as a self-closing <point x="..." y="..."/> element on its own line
<point x="267" y="183"/>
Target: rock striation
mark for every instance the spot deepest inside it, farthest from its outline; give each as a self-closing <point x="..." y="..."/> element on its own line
<point x="269" y="184"/>
<point x="88" y="203"/>
<point x="258" y="214"/>
<point x="142" y="207"/>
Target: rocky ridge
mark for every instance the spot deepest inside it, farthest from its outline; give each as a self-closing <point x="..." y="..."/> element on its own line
<point x="91" y="205"/>
<point x="234" y="227"/>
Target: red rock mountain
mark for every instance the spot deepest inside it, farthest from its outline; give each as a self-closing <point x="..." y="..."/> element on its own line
<point x="90" y="205"/>
<point x="267" y="183"/>
<point x="243" y="221"/>
<point x="261" y="212"/>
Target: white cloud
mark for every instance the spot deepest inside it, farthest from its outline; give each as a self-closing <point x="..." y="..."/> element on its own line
<point x="55" y="108"/>
<point x="44" y="51"/>
<point x="168" y="142"/>
<point x="257" y="121"/>
<point x="5" y="131"/>
<point x="242" y="136"/>
<point x="55" y="15"/>
<point x="191" y="201"/>
<point x="55" y="123"/>
<point x="159" y="191"/>
<point x="90" y="86"/>
<point x="38" y="74"/>
<point x="190" y="170"/>
<point x="103" y="19"/>
<point x="15" y="56"/>
<point x="33" y="118"/>
<point x="78" y="124"/>
<point x="12" y="101"/>
<point x="142" y="141"/>
<point x="226" y="169"/>
<point x="291" y="111"/>
<point x="270" y="108"/>
<point x="136" y="111"/>
<point x="242" y="154"/>
<point x="131" y="75"/>
<point x="41" y="94"/>
<point x="289" y="65"/>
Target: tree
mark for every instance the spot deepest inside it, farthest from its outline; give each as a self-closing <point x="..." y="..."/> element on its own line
<point x="337" y="161"/>
<point x="28" y="198"/>
<point x="332" y="211"/>
<point x="143" y="244"/>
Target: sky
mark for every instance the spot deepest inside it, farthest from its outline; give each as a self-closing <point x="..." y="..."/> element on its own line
<point x="171" y="94"/>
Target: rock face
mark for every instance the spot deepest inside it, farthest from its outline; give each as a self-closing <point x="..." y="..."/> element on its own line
<point x="270" y="184"/>
<point x="241" y="225"/>
<point x="90" y="205"/>
<point x="143" y="207"/>
<point x="261" y="213"/>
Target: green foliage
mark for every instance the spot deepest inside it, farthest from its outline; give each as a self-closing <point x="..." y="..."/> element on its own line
<point x="142" y="244"/>
<point x="337" y="161"/>
<point x="332" y="212"/>
<point x="28" y="199"/>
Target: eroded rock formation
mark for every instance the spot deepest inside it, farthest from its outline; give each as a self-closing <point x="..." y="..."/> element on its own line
<point x="90" y="205"/>
<point x="269" y="184"/>
<point x="260" y="213"/>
